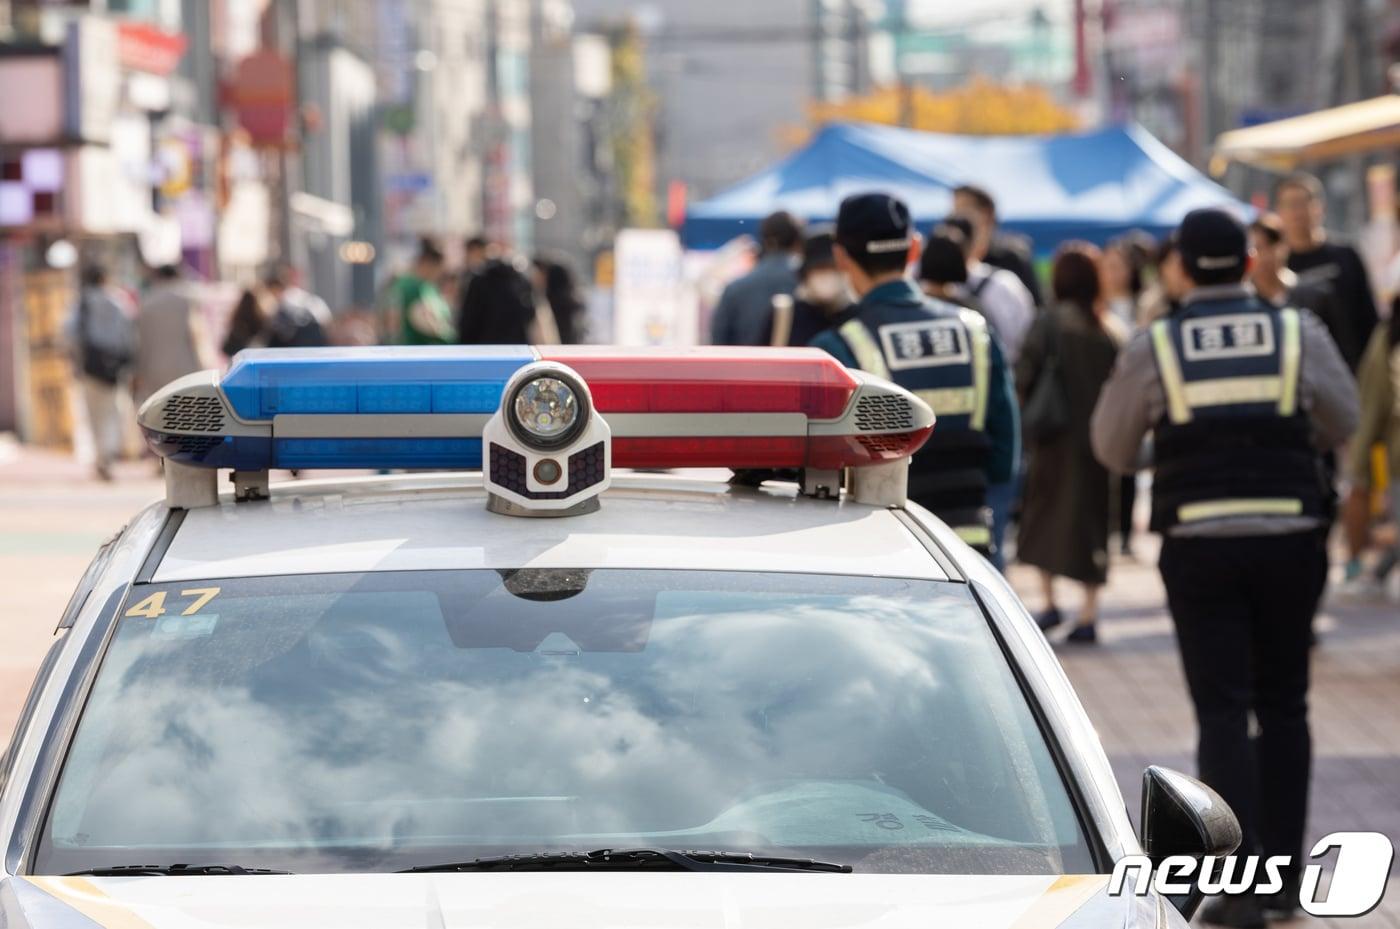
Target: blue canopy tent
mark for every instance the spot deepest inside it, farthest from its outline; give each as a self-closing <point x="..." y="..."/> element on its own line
<point x="1091" y="185"/>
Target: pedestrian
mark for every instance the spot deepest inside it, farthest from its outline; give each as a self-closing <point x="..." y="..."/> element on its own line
<point x="1379" y="387"/>
<point x="172" y="339"/>
<point x="103" y="338"/>
<point x="1240" y="398"/>
<point x="424" y="316"/>
<point x="498" y="306"/>
<point x="1122" y="281"/>
<point x="1065" y="505"/>
<point x="247" y="326"/>
<point x="822" y="299"/>
<point x="1163" y="296"/>
<point x="1004" y="300"/>
<point x="993" y="246"/>
<point x="943" y="268"/>
<point x="1298" y="200"/>
<point x="555" y="284"/>
<point x="744" y="314"/>
<point x="945" y="353"/>
<point x="1122" y="272"/>
<point x="476" y="252"/>
<point x="1276" y="283"/>
<point x="943" y="275"/>
<point x="299" y="318"/>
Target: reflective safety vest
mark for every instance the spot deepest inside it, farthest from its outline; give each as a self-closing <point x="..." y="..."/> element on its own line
<point x="1232" y="441"/>
<point x="944" y="358"/>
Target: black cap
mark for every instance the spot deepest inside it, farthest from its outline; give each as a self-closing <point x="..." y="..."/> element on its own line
<point x="1214" y="242"/>
<point x="817" y="251"/>
<point x="874" y="224"/>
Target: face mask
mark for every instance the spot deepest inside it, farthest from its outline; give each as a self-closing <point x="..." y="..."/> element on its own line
<point x="827" y="287"/>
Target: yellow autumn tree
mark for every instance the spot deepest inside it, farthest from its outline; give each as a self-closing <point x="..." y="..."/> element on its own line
<point x="979" y="107"/>
<point x="633" y="149"/>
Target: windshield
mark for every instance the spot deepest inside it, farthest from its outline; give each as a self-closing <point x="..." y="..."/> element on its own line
<point x="384" y="721"/>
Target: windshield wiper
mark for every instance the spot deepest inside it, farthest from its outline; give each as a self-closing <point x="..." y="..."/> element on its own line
<point x="636" y="859"/>
<point x="145" y="870"/>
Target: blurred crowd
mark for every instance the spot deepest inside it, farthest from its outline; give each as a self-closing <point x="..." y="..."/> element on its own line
<point x="1068" y="511"/>
<point x="1073" y="314"/>
<point x="126" y="345"/>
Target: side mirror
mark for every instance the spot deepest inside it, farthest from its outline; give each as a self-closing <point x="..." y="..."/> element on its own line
<point x="1182" y="816"/>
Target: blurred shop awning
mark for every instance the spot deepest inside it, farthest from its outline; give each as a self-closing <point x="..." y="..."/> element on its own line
<point x="1353" y="129"/>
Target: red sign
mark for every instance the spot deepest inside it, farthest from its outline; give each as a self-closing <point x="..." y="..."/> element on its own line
<point x="259" y="91"/>
<point x="142" y="47"/>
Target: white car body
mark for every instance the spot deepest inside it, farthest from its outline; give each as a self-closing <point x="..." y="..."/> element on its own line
<point x="417" y="522"/>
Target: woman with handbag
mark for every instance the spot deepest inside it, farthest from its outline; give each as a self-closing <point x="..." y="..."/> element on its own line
<point x="102" y="337"/>
<point x="1066" y="359"/>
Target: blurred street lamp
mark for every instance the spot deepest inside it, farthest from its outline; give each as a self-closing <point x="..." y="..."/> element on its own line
<point x="357" y="253"/>
<point x="62" y="254"/>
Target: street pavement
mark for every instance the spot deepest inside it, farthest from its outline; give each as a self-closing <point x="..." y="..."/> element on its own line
<point x="1132" y="687"/>
<point x="53" y="516"/>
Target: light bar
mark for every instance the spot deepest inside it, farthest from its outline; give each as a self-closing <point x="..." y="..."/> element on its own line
<point x="426" y="407"/>
<point x="709" y="380"/>
<point x="264" y="383"/>
<point x="731" y="407"/>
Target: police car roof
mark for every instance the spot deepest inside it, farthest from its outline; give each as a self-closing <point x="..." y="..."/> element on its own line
<point x="436" y="522"/>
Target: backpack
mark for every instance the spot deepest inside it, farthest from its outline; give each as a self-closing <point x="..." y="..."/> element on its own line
<point x="104" y="363"/>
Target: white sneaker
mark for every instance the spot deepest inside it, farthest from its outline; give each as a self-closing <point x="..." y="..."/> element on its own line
<point x="1361" y="589"/>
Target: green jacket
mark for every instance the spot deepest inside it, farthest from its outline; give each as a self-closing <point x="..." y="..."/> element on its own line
<point x="1378" y="378"/>
<point x="409" y="291"/>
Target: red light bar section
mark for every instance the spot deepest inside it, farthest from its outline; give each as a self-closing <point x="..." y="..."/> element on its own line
<point x="709" y="379"/>
<point x="820" y="451"/>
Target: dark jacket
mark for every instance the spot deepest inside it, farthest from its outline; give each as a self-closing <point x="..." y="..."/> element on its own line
<point x="1003" y="425"/>
<point x="744" y="314"/>
<point x="1013" y="252"/>
<point x="497" y="308"/>
<point x="1065" y="510"/>
<point x="810" y="320"/>
<point x="1346" y="305"/>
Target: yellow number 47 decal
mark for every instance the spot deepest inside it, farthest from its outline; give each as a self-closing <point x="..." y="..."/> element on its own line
<point x="154" y="605"/>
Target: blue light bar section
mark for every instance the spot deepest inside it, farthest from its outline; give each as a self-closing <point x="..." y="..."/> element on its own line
<point x="402" y="379"/>
<point x="255" y="453"/>
<point x="434" y="453"/>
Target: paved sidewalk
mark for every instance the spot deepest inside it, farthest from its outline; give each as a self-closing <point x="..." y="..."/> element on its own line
<point x="1132" y="687"/>
<point x="53" y="517"/>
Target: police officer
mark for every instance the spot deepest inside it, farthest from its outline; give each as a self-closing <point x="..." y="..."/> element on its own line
<point x="942" y="353"/>
<point x="1241" y="397"/>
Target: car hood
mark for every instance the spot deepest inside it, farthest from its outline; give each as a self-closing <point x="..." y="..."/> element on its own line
<point x="534" y="900"/>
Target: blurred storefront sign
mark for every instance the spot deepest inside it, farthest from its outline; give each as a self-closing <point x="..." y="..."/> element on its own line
<point x="31" y="86"/>
<point x="143" y="47"/>
<point x="11" y="359"/>
<point x="31" y="187"/>
<point x="92" y="84"/>
<point x="412" y="183"/>
<point x="243" y="225"/>
<point x="651" y="304"/>
<point x="321" y="215"/>
<point x="260" y="92"/>
<point x="45" y="391"/>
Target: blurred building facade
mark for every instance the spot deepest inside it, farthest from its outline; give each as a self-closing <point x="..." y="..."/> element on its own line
<point x="729" y="75"/>
<point x="1189" y="70"/>
<point x="1022" y="47"/>
<point x="221" y="134"/>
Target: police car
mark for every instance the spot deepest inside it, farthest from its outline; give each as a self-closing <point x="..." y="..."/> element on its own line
<point x="417" y="700"/>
